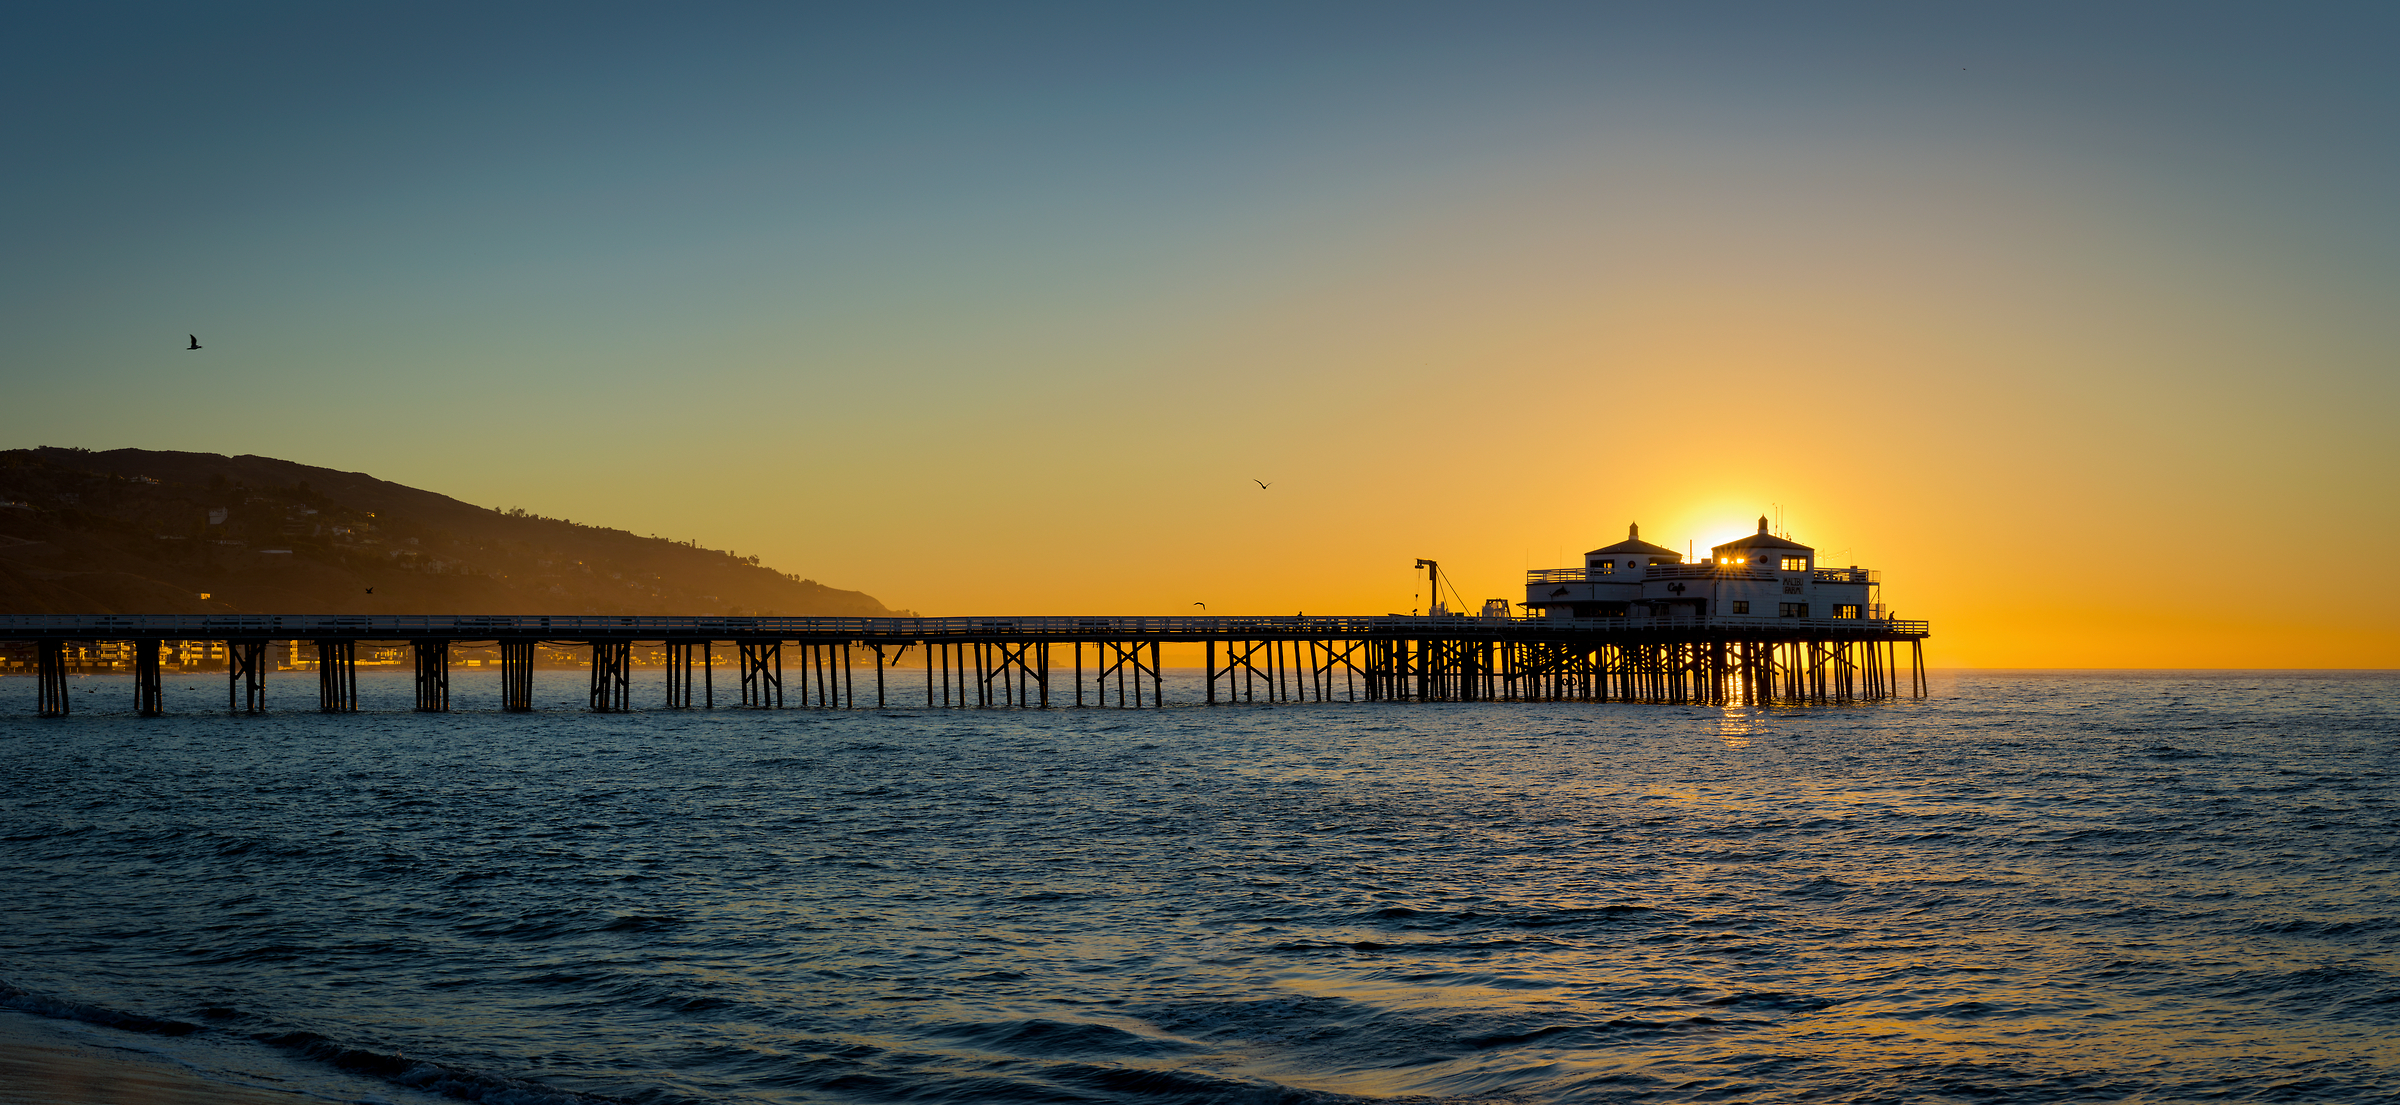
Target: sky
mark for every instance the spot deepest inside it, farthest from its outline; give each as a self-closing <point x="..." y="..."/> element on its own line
<point x="2079" y="322"/>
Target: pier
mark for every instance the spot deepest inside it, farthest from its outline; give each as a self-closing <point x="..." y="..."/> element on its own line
<point x="1042" y="662"/>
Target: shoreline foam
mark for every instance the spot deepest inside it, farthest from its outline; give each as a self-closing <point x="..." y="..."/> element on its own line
<point x="43" y="1062"/>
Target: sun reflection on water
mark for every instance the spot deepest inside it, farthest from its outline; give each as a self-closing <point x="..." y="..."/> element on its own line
<point x="1737" y="726"/>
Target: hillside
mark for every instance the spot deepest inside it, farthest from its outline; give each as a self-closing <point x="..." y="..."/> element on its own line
<point x="132" y="531"/>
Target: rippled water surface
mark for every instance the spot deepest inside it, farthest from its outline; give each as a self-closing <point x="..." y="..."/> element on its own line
<point x="2153" y="887"/>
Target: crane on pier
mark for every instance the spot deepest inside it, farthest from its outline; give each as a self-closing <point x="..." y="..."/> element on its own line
<point x="1433" y="581"/>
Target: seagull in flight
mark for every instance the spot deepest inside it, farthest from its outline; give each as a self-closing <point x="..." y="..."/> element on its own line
<point x="1262" y="484"/>
<point x="370" y="590"/>
<point x="195" y="342"/>
<point x="1203" y="606"/>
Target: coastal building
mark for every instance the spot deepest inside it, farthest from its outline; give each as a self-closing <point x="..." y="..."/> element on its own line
<point x="1762" y="576"/>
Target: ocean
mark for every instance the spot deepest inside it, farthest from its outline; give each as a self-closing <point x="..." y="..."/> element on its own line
<point x="2028" y="887"/>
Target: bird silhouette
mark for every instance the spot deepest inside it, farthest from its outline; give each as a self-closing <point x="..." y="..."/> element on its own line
<point x="195" y="341"/>
<point x="370" y="590"/>
<point x="1262" y="484"/>
<point x="1203" y="606"/>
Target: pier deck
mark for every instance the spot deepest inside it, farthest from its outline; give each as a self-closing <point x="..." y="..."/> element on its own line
<point x="1006" y="661"/>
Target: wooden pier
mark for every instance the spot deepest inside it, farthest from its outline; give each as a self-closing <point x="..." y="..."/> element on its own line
<point x="1015" y="662"/>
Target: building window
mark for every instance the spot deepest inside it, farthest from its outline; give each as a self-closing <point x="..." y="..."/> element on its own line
<point x="1791" y="585"/>
<point x="1795" y="563"/>
<point x="1741" y="606"/>
<point x="1791" y="610"/>
<point x="1845" y="609"/>
<point x="1605" y="567"/>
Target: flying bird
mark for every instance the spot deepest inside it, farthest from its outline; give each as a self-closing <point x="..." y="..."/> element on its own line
<point x="1203" y="606"/>
<point x="1262" y="484"/>
<point x="195" y="342"/>
<point x="370" y="590"/>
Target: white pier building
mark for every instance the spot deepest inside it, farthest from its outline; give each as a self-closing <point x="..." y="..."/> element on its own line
<point x="1761" y="576"/>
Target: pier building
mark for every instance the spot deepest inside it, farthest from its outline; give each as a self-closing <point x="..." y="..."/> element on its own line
<point x="1763" y="577"/>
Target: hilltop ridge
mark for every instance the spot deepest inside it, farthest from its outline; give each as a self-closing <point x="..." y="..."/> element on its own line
<point x="133" y="531"/>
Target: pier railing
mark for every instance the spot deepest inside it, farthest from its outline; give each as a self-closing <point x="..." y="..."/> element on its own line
<point x="1708" y="571"/>
<point x="1695" y="571"/>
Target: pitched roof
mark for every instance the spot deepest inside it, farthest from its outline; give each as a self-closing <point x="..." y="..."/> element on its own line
<point x="1633" y="543"/>
<point x="1762" y="540"/>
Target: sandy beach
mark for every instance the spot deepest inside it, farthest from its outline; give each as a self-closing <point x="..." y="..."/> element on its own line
<point x="45" y="1063"/>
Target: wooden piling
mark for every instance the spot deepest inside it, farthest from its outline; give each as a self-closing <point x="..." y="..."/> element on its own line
<point x="148" y="695"/>
<point x="337" y="676"/>
<point x="433" y="675"/>
<point x="50" y="665"/>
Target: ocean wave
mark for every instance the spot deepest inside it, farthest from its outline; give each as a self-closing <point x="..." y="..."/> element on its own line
<point x="419" y="1074"/>
<point x="1041" y="1036"/>
<point x="43" y="1005"/>
<point x="386" y="1066"/>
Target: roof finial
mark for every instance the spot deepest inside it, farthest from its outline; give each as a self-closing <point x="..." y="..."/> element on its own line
<point x="1762" y="523"/>
<point x="1633" y="532"/>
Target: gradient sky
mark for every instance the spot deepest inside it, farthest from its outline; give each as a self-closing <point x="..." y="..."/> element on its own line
<point x="2079" y="321"/>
